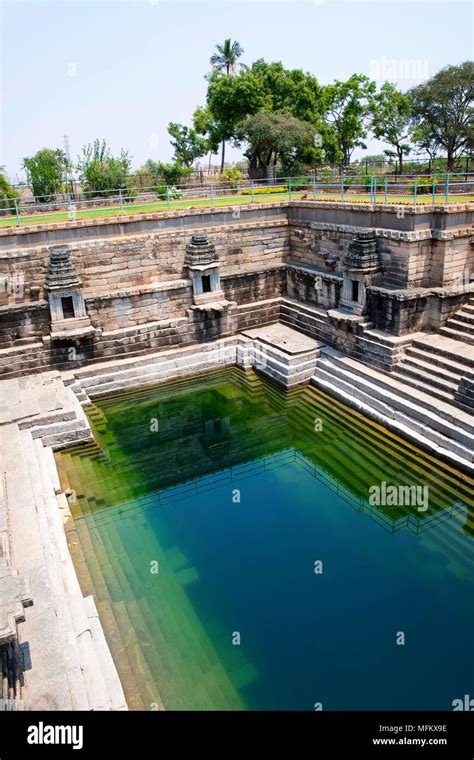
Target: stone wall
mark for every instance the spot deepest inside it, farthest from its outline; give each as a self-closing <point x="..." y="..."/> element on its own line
<point x="405" y="311"/>
<point x="423" y="247"/>
<point x="313" y="286"/>
<point x="139" y="296"/>
<point x="23" y="322"/>
<point x="122" y="256"/>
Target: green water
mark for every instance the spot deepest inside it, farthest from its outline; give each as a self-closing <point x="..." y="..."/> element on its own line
<point x="199" y="515"/>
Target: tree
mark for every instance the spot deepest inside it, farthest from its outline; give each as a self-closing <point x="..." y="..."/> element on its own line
<point x="266" y="87"/>
<point x="273" y="137"/>
<point x="390" y="119"/>
<point x="171" y="174"/>
<point x="347" y="108"/>
<point x="425" y="141"/>
<point x="187" y="144"/>
<point x="226" y="60"/>
<point x="8" y="194"/>
<point x="205" y="124"/>
<point x="291" y="90"/>
<point x="227" y="57"/>
<point x="44" y="173"/>
<point x="101" y="173"/>
<point x="442" y="106"/>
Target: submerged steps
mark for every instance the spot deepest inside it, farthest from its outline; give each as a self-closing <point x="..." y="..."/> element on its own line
<point x="162" y="616"/>
<point x="442" y="427"/>
<point x="387" y="443"/>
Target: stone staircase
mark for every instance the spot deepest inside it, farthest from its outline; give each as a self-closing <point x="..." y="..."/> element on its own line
<point x="71" y="667"/>
<point x="148" y="630"/>
<point x="371" y="346"/>
<point x="150" y="625"/>
<point x="381" y="455"/>
<point x="461" y="326"/>
<point x="435" y="365"/>
<point x="419" y="415"/>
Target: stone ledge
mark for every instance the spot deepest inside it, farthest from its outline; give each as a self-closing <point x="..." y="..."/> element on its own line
<point x="404" y="236"/>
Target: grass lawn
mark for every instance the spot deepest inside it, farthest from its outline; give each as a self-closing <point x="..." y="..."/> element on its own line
<point x="144" y="208"/>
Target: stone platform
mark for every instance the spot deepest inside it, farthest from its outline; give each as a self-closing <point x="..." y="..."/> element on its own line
<point x="283" y="354"/>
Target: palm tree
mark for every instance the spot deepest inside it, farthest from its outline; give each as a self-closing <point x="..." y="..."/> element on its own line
<point x="226" y="59"/>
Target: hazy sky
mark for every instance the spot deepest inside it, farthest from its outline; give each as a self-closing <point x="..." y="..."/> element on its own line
<point x="123" y="70"/>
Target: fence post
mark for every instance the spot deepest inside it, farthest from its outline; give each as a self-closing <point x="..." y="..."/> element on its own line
<point x="314" y="187"/>
<point x="371" y="185"/>
<point x="447" y="189"/>
<point x="253" y="193"/>
<point x="289" y="188"/>
<point x="342" y="188"/>
<point x="385" y="191"/>
<point x="375" y="189"/>
<point x="414" y="190"/>
<point x="15" y="201"/>
<point x="212" y="196"/>
<point x="168" y="197"/>
<point x="433" y="190"/>
<point x="121" y="201"/>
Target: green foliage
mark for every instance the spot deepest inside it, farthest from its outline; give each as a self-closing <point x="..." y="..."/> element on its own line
<point x="168" y="191"/>
<point x="230" y="176"/>
<point x="347" y="109"/>
<point x="264" y="87"/>
<point x="390" y="119"/>
<point x="265" y="190"/>
<point x="101" y="173"/>
<point x="273" y="137"/>
<point x="169" y="174"/>
<point x="297" y="186"/>
<point x="443" y="108"/>
<point x="226" y="57"/>
<point x="129" y="194"/>
<point x="424" y="185"/>
<point x="8" y="194"/>
<point x="187" y="144"/>
<point x="205" y="124"/>
<point x="44" y="172"/>
<point x="366" y="182"/>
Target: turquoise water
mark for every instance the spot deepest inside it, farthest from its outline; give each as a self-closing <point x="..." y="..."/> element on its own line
<point x="232" y="500"/>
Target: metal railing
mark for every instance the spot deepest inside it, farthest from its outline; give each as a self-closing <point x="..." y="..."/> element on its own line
<point x="398" y="190"/>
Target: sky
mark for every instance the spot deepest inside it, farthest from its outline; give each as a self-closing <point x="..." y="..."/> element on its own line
<point x="123" y="69"/>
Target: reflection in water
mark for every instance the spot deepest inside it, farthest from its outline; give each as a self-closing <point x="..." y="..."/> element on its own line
<point x="158" y="486"/>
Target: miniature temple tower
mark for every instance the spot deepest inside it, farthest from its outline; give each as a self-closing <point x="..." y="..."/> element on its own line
<point x="202" y="262"/>
<point x="361" y="268"/>
<point x="66" y="301"/>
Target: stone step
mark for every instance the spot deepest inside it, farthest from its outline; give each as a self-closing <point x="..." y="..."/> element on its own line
<point x="132" y="668"/>
<point x="419" y="377"/>
<point x="96" y="666"/>
<point x="428" y="388"/>
<point x="180" y="639"/>
<point x="468" y="308"/>
<point x="409" y="456"/>
<point x="446" y="414"/>
<point x="409" y="409"/>
<point x="444" y="347"/>
<point x="346" y="388"/>
<point x="435" y="365"/>
<point x="459" y="335"/>
<point x="465" y="316"/>
<point x="12" y="351"/>
<point x="460" y="325"/>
